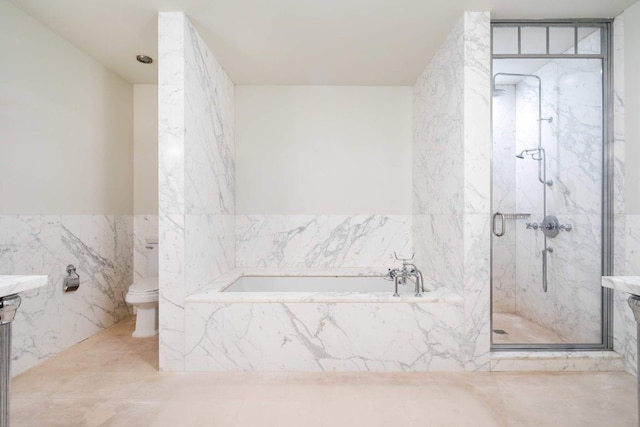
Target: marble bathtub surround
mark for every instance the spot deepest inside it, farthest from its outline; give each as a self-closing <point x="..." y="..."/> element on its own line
<point x="321" y="331"/>
<point x="217" y="290"/>
<point x="448" y="330"/>
<point x="196" y="146"/>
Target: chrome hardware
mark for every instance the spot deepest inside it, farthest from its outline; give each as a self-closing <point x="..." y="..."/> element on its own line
<point x="545" y="251"/>
<point x="493" y="224"/>
<point x="550" y="226"/>
<point x="72" y="281"/>
<point x="516" y="215"/>
<point x="634" y="304"/>
<point x="149" y="247"/>
<point x="408" y="270"/>
<point x="8" y="307"/>
<point x="395" y="255"/>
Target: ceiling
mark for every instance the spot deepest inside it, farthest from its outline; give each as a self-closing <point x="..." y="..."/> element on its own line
<point x="294" y="42"/>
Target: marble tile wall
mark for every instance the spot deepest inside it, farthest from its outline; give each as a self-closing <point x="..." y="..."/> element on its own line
<point x="49" y="320"/>
<point x="321" y="240"/>
<point x="144" y="227"/>
<point x="196" y="146"/>
<point x="571" y="96"/>
<point x="451" y="175"/>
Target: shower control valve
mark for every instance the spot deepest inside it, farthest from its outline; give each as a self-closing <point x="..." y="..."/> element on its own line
<point x="533" y="225"/>
<point x="566" y="227"/>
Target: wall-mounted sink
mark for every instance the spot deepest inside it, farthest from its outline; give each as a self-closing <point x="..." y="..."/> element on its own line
<point x="10" y="287"/>
<point x="630" y="285"/>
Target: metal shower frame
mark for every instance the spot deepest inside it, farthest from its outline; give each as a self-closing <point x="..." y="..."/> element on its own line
<point x="606" y="51"/>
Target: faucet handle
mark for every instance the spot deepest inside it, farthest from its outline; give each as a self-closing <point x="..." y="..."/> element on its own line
<point x="413" y="254"/>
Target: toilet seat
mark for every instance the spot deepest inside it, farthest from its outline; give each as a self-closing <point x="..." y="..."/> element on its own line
<point x="143" y="291"/>
<point x="144" y="286"/>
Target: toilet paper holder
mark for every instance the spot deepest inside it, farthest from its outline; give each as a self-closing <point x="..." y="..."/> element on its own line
<point x="72" y="281"/>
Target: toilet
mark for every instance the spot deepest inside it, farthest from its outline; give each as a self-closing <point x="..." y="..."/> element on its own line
<point x="143" y="295"/>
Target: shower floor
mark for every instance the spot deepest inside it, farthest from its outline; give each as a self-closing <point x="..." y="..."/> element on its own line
<point x="510" y="328"/>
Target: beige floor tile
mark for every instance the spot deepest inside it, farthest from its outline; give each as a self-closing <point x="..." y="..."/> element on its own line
<point x="111" y="379"/>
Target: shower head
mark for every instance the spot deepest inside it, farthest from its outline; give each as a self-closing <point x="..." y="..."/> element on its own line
<point x="521" y="155"/>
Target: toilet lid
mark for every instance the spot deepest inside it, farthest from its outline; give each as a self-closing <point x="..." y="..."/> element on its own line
<point x="145" y="286"/>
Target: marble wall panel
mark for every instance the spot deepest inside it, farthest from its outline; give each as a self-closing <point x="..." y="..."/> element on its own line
<point x="322" y="240"/>
<point x="324" y="337"/>
<point x="49" y="320"/>
<point x="144" y="227"/>
<point x="197" y="175"/>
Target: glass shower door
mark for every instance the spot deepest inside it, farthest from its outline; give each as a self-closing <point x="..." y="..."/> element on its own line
<point x="548" y="186"/>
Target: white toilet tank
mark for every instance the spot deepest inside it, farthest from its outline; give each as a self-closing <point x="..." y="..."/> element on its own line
<point x="152" y="257"/>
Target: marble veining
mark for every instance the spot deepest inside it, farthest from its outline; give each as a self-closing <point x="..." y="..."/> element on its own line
<point x="451" y="176"/>
<point x="321" y="240"/>
<point x="197" y="175"/>
<point x="144" y="227"/>
<point x="15" y="284"/>
<point x="49" y="320"/>
<point x="571" y="97"/>
<point x="565" y="361"/>
<point x="307" y="336"/>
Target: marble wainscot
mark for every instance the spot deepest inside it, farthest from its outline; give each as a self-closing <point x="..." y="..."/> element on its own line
<point x="322" y="331"/>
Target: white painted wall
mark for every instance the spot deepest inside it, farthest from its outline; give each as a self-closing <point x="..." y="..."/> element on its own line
<point x="66" y="125"/>
<point x="323" y="150"/>
<point x="145" y="151"/>
<point x="632" y="106"/>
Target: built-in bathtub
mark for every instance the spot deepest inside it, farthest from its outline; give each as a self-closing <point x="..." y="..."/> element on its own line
<point x="311" y="284"/>
<point x="323" y="321"/>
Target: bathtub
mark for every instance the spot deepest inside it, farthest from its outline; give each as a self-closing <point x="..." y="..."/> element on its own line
<point x="323" y="321"/>
<point x="311" y="284"/>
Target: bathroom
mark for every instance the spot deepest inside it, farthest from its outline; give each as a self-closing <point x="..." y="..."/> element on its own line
<point x="285" y="194"/>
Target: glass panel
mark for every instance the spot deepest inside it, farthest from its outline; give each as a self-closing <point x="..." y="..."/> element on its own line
<point x="588" y="40"/>
<point x="569" y="311"/>
<point x="561" y="40"/>
<point x="505" y="40"/>
<point x="534" y="40"/>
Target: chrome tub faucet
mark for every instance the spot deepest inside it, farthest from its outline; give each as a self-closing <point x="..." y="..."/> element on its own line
<point x="408" y="271"/>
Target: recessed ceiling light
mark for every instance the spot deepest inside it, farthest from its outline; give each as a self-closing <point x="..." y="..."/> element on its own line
<point x="144" y="59"/>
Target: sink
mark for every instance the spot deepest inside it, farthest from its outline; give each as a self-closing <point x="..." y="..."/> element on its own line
<point x="10" y="287"/>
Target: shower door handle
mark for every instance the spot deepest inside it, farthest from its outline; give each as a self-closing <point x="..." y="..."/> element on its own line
<point x="493" y="224"/>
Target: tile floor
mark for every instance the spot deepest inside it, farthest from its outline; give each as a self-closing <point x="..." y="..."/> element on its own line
<point x="111" y="379"/>
<point x="520" y="330"/>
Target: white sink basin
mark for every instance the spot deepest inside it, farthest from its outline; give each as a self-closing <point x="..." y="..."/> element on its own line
<point x="10" y="285"/>
<point x="629" y="284"/>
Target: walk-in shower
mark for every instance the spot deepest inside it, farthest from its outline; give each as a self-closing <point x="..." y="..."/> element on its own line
<point x="549" y="184"/>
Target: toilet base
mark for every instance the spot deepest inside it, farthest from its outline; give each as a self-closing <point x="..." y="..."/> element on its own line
<point x="146" y="320"/>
